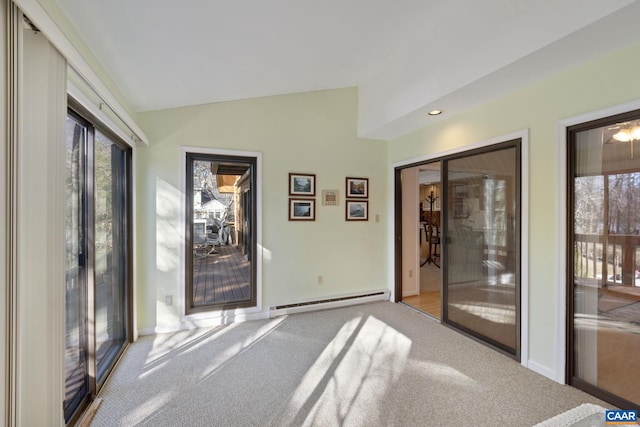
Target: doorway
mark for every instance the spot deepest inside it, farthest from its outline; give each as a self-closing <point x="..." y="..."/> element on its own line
<point x="467" y="225"/>
<point x="421" y="233"/>
<point x="220" y="232"/>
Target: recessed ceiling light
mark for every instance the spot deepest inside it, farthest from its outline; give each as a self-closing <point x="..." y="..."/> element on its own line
<point x="435" y="112"/>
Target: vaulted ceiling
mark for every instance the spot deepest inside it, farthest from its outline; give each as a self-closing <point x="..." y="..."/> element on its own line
<point x="405" y="56"/>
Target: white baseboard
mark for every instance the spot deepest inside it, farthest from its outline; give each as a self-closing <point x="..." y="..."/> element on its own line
<point x="543" y="370"/>
<point x="205" y="323"/>
<point x="146" y="331"/>
<point x="192" y="322"/>
<point x="328" y="303"/>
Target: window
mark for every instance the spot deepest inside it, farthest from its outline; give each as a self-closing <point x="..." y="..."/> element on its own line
<point x="98" y="268"/>
<point x="220" y="232"/>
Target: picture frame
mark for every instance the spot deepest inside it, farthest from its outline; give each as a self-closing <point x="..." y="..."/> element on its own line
<point x="357" y="210"/>
<point x="330" y="197"/>
<point x="460" y="191"/>
<point x="357" y="188"/>
<point x="302" y="184"/>
<point x="459" y="208"/>
<point x="302" y="209"/>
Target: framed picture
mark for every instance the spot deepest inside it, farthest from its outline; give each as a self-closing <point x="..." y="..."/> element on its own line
<point x="357" y="188"/>
<point x="302" y="210"/>
<point x="459" y="208"/>
<point x="357" y="210"/>
<point x="302" y="184"/>
<point x="459" y="191"/>
<point x="330" y="197"/>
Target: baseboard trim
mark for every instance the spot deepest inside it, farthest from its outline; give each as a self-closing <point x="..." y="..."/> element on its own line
<point x="273" y="311"/>
<point x="543" y="370"/>
<point x="146" y="332"/>
<point x="328" y="303"/>
<point x="205" y="323"/>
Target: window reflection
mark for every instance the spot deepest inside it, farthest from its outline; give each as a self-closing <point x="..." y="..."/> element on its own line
<point x="482" y="256"/>
<point x="605" y="223"/>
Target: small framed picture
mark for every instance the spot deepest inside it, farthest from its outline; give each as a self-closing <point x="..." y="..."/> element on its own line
<point x="302" y="210"/>
<point x="330" y="197"/>
<point x="458" y="208"/>
<point x="357" y="188"/>
<point x="302" y="184"/>
<point x="459" y="191"/>
<point x="357" y="210"/>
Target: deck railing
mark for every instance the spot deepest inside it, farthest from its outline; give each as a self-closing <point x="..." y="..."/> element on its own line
<point x="612" y="259"/>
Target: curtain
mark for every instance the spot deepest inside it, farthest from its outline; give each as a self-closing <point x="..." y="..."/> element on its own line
<point x="37" y="99"/>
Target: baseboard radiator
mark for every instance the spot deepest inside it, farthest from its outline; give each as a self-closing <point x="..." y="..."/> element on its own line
<point x="327" y="303"/>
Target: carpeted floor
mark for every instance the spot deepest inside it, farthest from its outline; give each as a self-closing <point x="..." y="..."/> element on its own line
<point x="380" y="364"/>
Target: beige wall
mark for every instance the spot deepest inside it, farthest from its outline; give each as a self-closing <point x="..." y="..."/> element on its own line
<point x="611" y="80"/>
<point x="311" y="132"/>
<point x="410" y="233"/>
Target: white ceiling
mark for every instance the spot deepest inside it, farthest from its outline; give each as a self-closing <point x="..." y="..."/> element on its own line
<point x="404" y="55"/>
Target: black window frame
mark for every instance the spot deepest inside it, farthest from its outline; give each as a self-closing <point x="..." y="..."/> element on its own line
<point x="570" y="354"/>
<point x="252" y="161"/>
<point x="78" y="112"/>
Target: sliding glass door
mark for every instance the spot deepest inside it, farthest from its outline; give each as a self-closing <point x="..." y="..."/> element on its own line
<point x="110" y="189"/>
<point x="603" y="256"/>
<point x="76" y="346"/>
<point x="97" y="254"/>
<point x="481" y="266"/>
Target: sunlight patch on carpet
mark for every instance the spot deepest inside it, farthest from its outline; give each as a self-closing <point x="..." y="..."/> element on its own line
<point x="356" y="369"/>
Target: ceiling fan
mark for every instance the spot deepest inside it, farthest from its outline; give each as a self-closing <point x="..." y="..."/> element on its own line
<point x="626" y="132"/>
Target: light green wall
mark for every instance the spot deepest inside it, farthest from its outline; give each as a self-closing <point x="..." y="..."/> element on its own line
<point x="311" y="132"/>
<point x="611" y="80"/>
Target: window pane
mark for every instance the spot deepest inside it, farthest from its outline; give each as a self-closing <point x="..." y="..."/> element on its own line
<point x="624" y="203"/>
<point x="482" y="256"/>
<point x="76" y="380"/>
<point x="606" y="220"/>
<point x="110" y="250"/>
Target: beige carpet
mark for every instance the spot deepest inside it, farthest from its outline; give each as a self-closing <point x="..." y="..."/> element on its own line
<point x="379" y="364"/>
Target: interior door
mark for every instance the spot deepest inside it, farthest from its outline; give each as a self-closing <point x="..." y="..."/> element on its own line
<point x="481" y="255"/>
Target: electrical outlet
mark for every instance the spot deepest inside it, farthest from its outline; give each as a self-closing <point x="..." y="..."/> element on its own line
<point x="168" y="300"/>
<point x="320" y="280"/>
<point x="410" y="273"/>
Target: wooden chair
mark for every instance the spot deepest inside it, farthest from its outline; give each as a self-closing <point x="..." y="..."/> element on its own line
<point x="432" y="231"/>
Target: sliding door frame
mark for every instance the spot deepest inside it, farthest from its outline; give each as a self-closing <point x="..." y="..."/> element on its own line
<point x="571" y="128"/>
<point x="561" y="369"/>
<point x="517" y="144"/>
<point x="396" y="227"/>
<point x="83" y="116"/>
